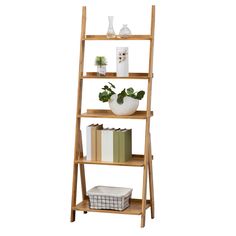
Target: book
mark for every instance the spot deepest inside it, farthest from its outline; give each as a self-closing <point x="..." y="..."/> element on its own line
<point x="88" y="142"/>
<point x="110" y="145"/>
<point x="94" y="140"/>
<point x="93" y="129"/>
<point x="91" y="139"/>
<point x="107" y="145"/>
<point x="116" y="145"/>
<point x="125" y="145"/>
<point x="128" y="147"/>
<point x="99" y="144"/>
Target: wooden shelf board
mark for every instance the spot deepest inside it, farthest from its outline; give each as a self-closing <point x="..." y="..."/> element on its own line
<point x="112" y="75"/>
<point x="135" y="207"/>
<point x="117" y="37"/>
<point x="100" y="113"/>
<point x="137" y="160"/>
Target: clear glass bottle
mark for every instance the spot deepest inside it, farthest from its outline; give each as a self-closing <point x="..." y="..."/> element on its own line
<point x="110" y="31"/>
<point x="124" y="31"/>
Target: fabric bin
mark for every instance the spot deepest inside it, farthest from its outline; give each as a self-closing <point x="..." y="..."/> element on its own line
<point x="113" y="198"/>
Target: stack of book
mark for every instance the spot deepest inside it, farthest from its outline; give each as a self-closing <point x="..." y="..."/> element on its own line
<point x="108" y="145"/>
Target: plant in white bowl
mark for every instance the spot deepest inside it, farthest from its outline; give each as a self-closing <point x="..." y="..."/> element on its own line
<point x="124" y="103"/>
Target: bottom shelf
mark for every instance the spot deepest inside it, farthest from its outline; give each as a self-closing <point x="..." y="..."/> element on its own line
<point x="135" y="207"/>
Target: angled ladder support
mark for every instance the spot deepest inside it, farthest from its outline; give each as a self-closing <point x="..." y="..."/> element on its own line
<point x="78" y="139"/>
<point x="147" y="155"/>
<point x="150" y="172"/>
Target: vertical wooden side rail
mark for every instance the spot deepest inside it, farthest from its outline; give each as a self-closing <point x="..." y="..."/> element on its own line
<point x="147" y="131"/>
<point x="82" y="171"/>
<point x="151" y="187"/>
<point x="78" y="141"/>
<point x="150" y="149"/>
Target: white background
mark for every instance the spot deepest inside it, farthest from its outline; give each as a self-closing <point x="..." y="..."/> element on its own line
<point x="193" y="130"/>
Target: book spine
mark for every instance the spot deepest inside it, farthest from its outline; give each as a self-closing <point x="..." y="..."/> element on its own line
<point x="116" y="146"/>
<point x="88" y="143"/>
<point x="107" y="145"/>
<point x="122" y="146"/>
<point x="93" y="144"/>
<point x="128" y="145"/>
<point x="94" y="141"/>
<point x="99" y="145"/>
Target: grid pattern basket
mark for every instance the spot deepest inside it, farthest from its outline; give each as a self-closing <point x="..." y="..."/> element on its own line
<point x="112" y="198"/>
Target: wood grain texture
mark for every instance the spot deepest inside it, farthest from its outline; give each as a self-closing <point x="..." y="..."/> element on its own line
<point x="78" y="141"/>
<point x="147" y="130"/>
<point x="100" y="113"/>
<point x="151" y="186"/>
<point x="112" y="75"/>
<point x="136" y="160"/>
<point x="82" y="169"/>
<point x="117" y="37"/>
<point x="135" y="207"/>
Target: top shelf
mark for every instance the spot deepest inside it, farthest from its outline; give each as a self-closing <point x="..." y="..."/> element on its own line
<point x="117" y="37"/>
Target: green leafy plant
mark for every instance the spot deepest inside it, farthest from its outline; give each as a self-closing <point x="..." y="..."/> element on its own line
<point x="100" y="61"/>
<point x="107" y="92"/>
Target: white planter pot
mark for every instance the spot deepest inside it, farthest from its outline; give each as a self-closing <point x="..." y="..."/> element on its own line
<point x="122" y="65"/>
<point x="101" y="70"/>
<point x="129" y="106"/>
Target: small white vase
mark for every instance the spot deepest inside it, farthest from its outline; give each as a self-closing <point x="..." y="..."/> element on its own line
<point x="129" y="106"/>
<point x="122" y="63"/>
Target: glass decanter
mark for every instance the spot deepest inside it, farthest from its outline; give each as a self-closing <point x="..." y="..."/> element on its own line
<point x="110" y="31"/>
<point x="124" y="31"/>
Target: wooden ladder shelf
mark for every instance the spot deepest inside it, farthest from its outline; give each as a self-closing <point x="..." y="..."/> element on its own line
<point x="137" y="206"/>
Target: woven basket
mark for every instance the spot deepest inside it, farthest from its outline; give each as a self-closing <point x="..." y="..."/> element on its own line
<point x="113" y="198"/>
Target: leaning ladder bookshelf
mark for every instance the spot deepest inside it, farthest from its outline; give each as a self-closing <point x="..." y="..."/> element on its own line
<point x="137" y="206"/>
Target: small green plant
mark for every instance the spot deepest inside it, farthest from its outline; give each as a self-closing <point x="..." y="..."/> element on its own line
<point x="107" y="92"/>
<point x="100" y="61"/>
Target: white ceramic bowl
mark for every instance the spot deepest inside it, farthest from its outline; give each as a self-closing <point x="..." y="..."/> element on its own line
<point x="129" y="106"/>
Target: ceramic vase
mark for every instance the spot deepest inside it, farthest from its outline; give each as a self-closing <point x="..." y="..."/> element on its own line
<point x="122" y="62"/>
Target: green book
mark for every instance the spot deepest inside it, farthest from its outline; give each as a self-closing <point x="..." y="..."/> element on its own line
<point x="116" y="145"/>
<point x="125" y="145"/>
<point x="128" y="145"/>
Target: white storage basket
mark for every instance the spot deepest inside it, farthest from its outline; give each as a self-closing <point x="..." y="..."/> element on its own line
<point x="114" y="198"/>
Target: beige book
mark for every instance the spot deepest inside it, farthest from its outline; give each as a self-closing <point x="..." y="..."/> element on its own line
<point x="99" y="145"/>
<point x="94" y="141"/>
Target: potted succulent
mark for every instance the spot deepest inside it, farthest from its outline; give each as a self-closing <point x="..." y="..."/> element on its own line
<point x="101" y="63"/>
<point x="124" y="103"/>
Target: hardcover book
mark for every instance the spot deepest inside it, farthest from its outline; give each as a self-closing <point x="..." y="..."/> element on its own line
<point x="116" y="145"/>
<point x="107" y="145"/>
<point x="91" y="138"/>
<point x="88" y="142"/>
<point x="125" y="145"/>
<point x="94" y="140"/>
<point x="99" y="145"/>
